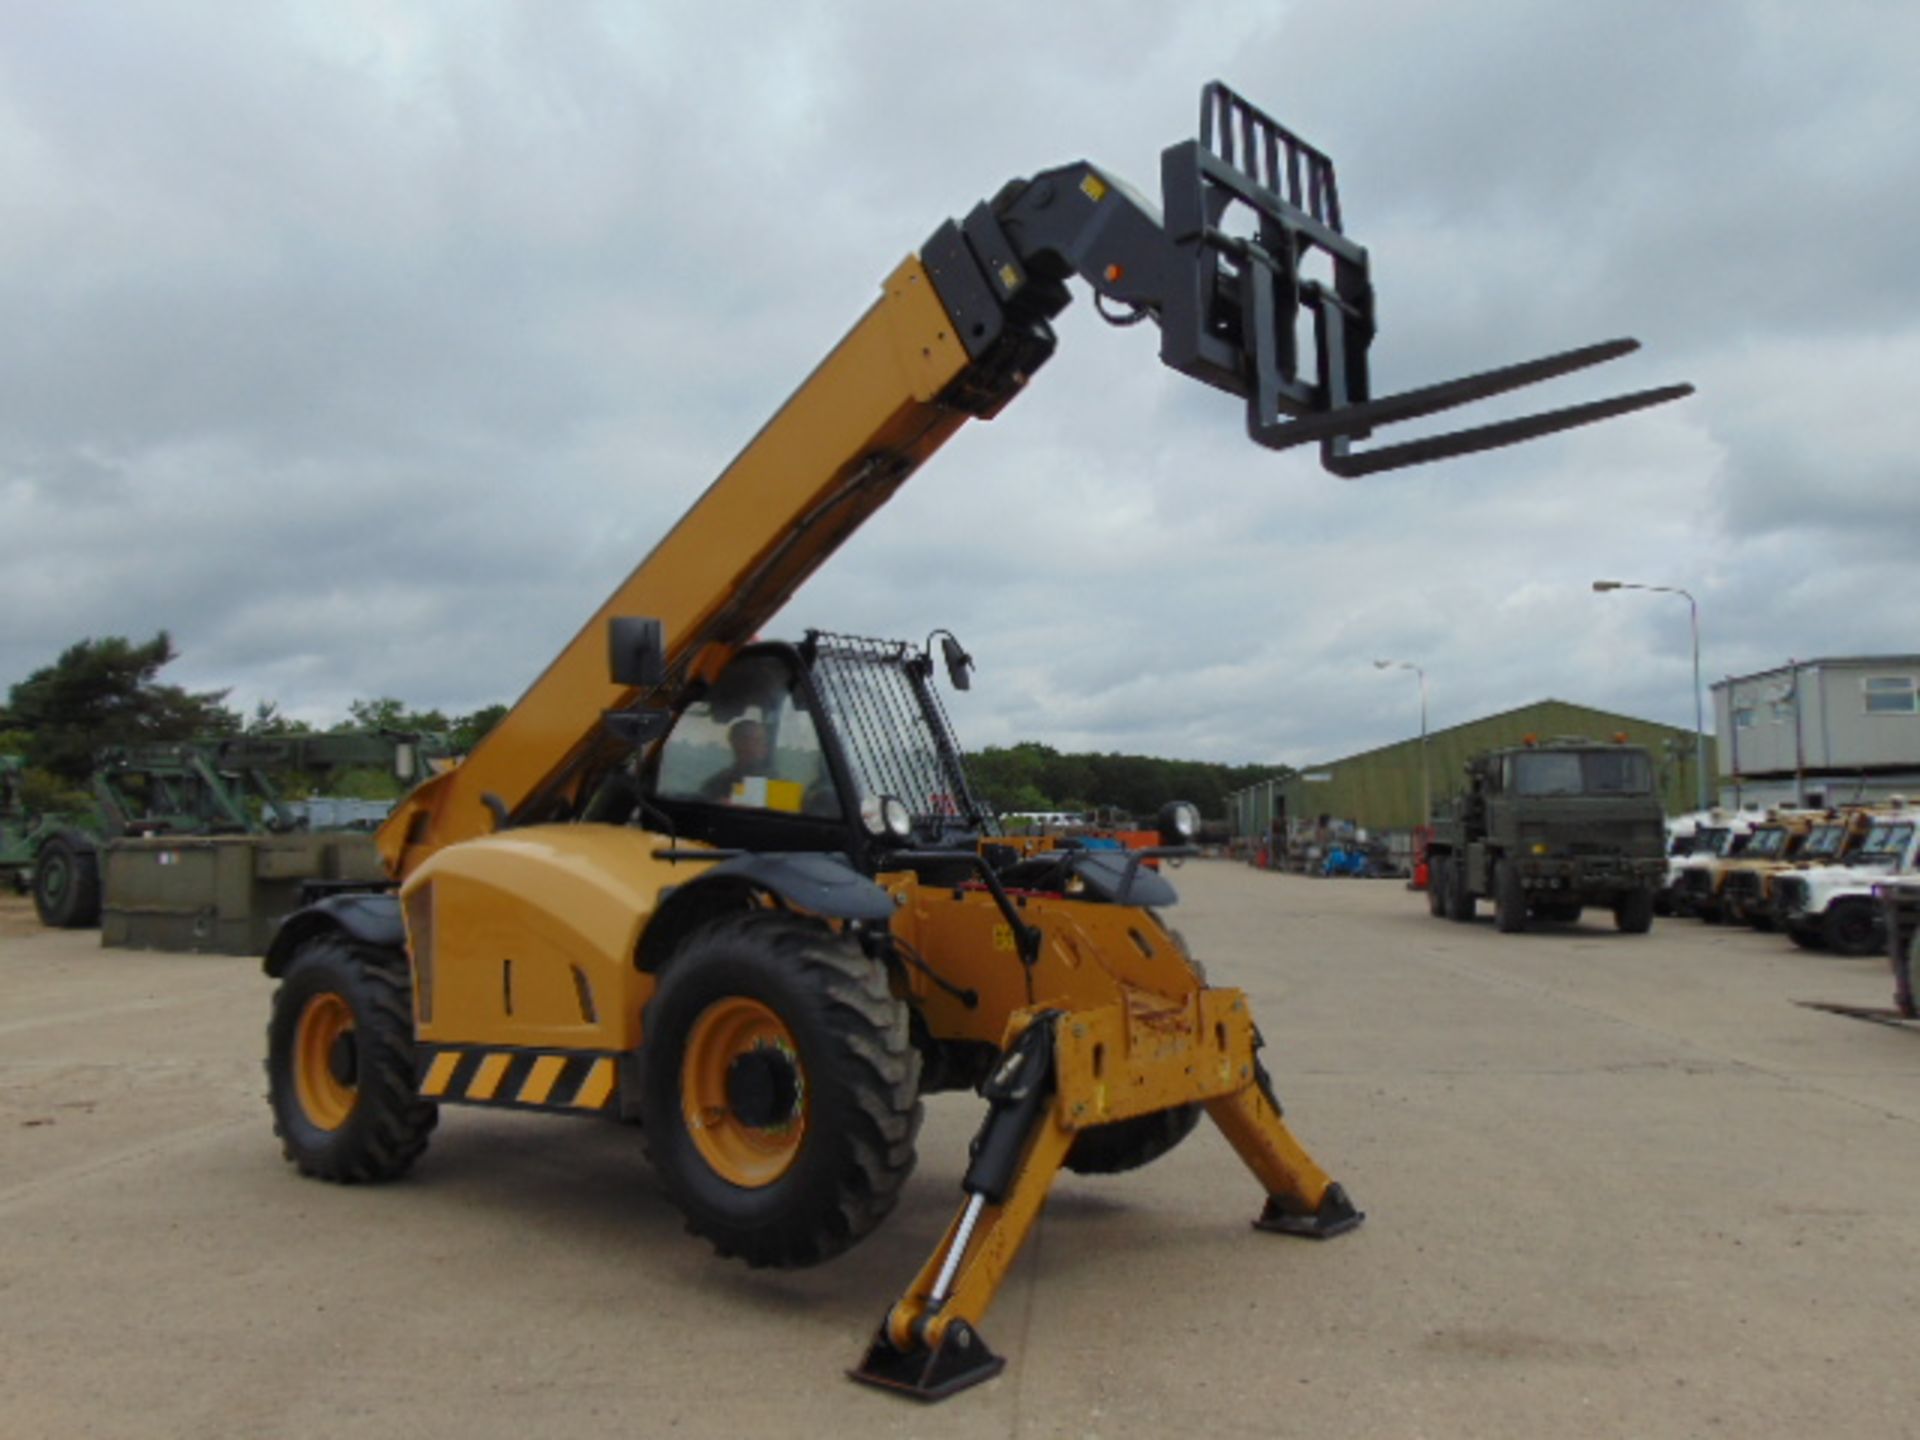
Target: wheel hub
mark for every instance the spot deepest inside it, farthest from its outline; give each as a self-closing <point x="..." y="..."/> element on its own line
<point x="763" y="1088"/>
<point x="743" y="1091"/>
<point x="343" y="1059"/>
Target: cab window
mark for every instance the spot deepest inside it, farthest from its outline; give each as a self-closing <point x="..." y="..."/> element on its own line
<point x="750" y="743"/>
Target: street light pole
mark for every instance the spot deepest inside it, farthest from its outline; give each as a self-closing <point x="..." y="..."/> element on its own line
<point x="1699" y="722"/>
<point x="1426" y="774"/>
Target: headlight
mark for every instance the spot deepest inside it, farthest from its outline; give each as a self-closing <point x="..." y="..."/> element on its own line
<point x="1179" y="823"/>
<point x="884" y="816"/>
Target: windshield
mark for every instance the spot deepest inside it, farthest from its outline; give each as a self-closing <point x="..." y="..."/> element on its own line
<point x="1886" y="840"/>
<point x="1768" y="841"/>
<point x="1582" y="772"/>
<point x="1824" y="840"/>
<point x="877" y="697"/>
<point x="749" y="742"/>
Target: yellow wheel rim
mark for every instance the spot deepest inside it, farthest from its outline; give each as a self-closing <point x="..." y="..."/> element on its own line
<point x="733" y="1036"/>
<point x="325" y="1026"/>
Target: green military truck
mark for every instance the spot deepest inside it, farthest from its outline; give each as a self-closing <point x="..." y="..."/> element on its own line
<point x="1545" y="829"/>
<point x="179" y="833"/>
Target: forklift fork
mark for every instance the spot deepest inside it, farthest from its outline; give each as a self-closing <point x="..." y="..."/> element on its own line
<point x="1060" y="1073"/>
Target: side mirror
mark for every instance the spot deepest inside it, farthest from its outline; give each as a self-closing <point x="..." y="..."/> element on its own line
<point x="959" y="663"/>
<point x="637" y="651"/>
<point x="406" y="761"/>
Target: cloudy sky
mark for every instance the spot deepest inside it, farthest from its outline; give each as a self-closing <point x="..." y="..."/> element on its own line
<point x="365" y="347"/>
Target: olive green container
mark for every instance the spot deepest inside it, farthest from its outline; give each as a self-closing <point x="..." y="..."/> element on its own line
<point x="219" y="894"/>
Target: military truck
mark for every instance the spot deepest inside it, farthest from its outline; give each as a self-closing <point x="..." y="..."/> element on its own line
<point x="1546" y="828"/>
<point x="148" y="799"/>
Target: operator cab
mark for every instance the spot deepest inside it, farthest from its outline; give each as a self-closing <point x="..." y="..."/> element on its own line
<point x="836" y="744"/>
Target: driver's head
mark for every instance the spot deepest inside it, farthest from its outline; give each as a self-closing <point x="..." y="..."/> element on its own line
<point x="749" y="741"/>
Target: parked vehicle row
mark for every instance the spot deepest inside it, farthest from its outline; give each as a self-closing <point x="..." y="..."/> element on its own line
<point x="1810" y="874"/>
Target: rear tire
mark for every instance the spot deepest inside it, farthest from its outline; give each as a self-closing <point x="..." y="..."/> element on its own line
<point x="340" y="1067"/>
<point x="66" y="884"/>
<point x="1436" y="888"/>
<point x="1633" y="912"/>
<point x="1509" y="899"/>
<point x="1124" y="1145"/>
<point x="781" y="1092"/>
<point x="1852" y="927"/>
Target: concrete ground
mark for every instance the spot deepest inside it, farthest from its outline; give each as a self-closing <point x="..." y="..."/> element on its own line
<point x="1615" y="1187"/>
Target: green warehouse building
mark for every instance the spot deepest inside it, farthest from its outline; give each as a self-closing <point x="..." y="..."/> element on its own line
<point x="1381" y="790"/>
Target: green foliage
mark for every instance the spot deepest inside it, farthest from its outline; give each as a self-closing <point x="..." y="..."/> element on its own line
<point x="470" y="730"/>
<point x="268" y="721"/>
<point x="1031" y="776"/>
<point x="44" y="793"/>
<point x="105" y="692"/>
<point x="386" y="713"/>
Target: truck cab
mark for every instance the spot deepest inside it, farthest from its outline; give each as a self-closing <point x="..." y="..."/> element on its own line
<point x="1545" y="829"/>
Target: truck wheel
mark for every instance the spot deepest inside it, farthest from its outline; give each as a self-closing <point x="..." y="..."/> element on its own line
<point x="781" y="1089"/>
<point x="1852" y="927"/>
<point x="340" y="1069"/>
<point x="1633" y="912"/>
<point x="1461" y="906"/>
<point x="66" y="884"/>
<point x="1437" y="888"/>
<point x="1806" y="939"/>
<point x="1509" y="899"/>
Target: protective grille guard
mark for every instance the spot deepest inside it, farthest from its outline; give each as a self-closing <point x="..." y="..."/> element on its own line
<point x="1230" y="307"/>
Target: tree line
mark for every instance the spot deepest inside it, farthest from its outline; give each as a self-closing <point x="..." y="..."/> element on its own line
<point x="107" y="691"/>
<point x="1032" y="776"/>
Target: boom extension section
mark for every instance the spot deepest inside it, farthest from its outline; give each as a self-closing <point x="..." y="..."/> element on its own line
<point x="956" y="335"/>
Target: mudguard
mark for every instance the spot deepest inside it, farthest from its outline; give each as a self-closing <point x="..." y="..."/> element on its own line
<point x="372" y="918"/>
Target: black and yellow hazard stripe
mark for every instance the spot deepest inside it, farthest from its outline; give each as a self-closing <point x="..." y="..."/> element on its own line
<point x="573" y="1082"/>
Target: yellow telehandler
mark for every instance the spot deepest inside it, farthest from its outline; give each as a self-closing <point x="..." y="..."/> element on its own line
<point x="742" y="893"/>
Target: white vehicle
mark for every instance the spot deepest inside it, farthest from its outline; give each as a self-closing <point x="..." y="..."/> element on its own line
<point x="1833" y="907"/>
<point x="1690" y="877"/>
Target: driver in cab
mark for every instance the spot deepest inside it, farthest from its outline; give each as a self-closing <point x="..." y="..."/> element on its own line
<point x="752" y="755"/>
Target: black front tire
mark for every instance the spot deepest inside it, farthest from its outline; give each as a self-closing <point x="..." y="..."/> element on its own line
<point x="857" y="1096"/>
<point x="1437" y="888"/>
<point x="1509" y="899"/>
<point x="357" y="1117"/>
<point x="1462" y="908"/>
<point x="1633" y="912"/>
<point x="66" y="884"/>
<point x="1853" y="928"/>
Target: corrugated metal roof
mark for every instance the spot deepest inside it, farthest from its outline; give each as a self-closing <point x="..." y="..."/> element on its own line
<point x="1381" y="788"/>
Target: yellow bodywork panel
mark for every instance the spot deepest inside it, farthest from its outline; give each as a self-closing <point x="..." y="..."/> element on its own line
<point x="836" y="451"/>
<point x="1090" y="956"/>
<point x="533" y="934"/>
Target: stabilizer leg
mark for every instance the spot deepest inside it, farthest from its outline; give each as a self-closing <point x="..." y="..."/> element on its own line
<point x="929" y="1346"/>
<point x="1301" y="1198"/>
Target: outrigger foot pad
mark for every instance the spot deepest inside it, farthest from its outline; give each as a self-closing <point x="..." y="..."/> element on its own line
<point x="959" y="1361"/>
<point x="1335" y="1216"/>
